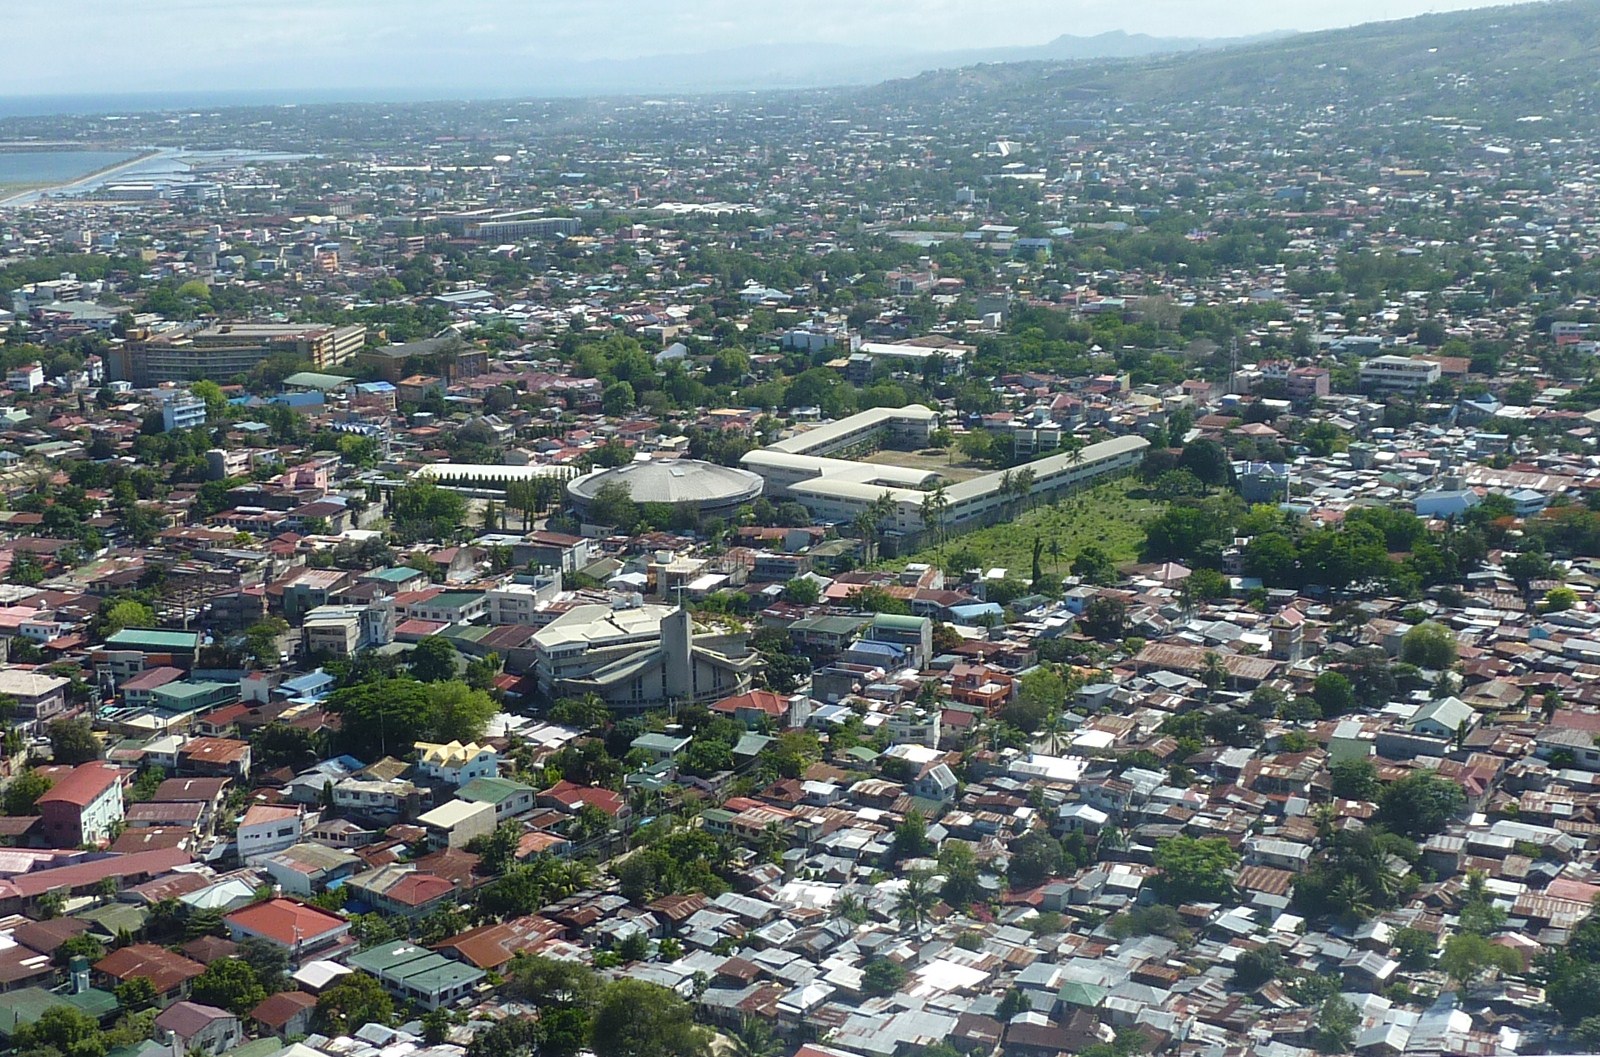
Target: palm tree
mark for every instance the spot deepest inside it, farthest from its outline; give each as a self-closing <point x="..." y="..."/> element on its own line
<point x="754" y="1039"/>
<point x="1214" y="673"/>
<point x="1388" y="882"/>
<point x="1352" y="899"/>
<point x="934" y="506"/>
<point x="866" y="530"/>
<point x="1023" y="484"/>
<point x="850" y="908"/>
<point x="914" y="905"/>
<point x="1056" y="732"/>
<point x="1074" y="448"/>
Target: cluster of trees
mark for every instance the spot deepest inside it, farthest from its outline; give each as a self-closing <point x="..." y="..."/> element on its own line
<point x="578" y="1010"/>
<point x="1195" y="869"/>
<point x="421" y="510"/>
<point x="390" y="713"/>
<point x="66" y="1031"/>
<point x="1353" y="876"/>
<point x="1571" y="979"/>
<point x="1354" y="555"/>
<point x="684" y="860"/>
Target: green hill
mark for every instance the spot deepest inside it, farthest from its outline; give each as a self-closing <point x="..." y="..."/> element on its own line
<point x="1491" y="67"/>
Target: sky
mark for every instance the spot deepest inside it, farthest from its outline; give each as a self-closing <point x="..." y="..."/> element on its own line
<point x="510" y="47"/>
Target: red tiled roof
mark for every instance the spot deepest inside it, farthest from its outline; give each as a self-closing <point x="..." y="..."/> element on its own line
<point x="277" y="1010"/>
<point x="146" y="863"/>
<point x="764" y="701"/>
<point x="178" y="790"/>
<point x="81" y="788"/>
<point x="161" y="967"/>
<point x="188" y="1019"/>
<point x="214" y="750"/>
<point x="572" y="797"/>
<point x="491" y="946"/>
<point x="418" y="888"/>
<point x="285" y="921"/>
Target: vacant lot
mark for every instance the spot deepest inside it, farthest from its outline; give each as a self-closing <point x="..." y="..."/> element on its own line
<point x="935" y="459"/>
<point x="1106" y="515"/>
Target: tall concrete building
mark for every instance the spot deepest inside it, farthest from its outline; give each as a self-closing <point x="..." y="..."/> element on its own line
<point x="226" y="350"/>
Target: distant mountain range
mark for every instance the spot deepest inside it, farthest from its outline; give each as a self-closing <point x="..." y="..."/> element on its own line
<point x="803" y="65"/>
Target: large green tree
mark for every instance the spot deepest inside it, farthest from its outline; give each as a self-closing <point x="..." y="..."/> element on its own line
<point x="229" y="984"/>
<point x="1419" y="804"/>
<point x="356" y="1000"/>
<point x="421" y="510"/>
<point x="1429" y="645"/>
<point x="24" y="791"/>
<point x="388" y="714"/>
<point x="72" y="741"/>
<point x="638" y="1019"/>
<point x="433" y="660"/>
<point x="1195" y="869"/>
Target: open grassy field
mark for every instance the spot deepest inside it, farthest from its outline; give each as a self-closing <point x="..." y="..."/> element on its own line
<point x="935" y="459"/>
<point x="1106" y="514"/>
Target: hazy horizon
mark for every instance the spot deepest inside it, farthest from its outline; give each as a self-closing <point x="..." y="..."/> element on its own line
<point x="422" y="48"/>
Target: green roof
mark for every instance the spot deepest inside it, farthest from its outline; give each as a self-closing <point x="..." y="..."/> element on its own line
<point x="491" y="790"/>
<point x="313" y="380"/>
<point x="660" y="743"/>
<point x="418" y="967"/>
<point x="257" y="1048"/>
<point x="183" y="691"/>
<point x="896" y="620"/>
<point x="113" y="917"/>
<point x="147" y="1048"/>
<point x="466" y="632"/>
<point x="27" y="1004"/>
<point x="829" y="625"/>
<point x="386" y="957"/>
<point x="154" y="637"/>
<point x="1074" y="993"/>
<point x="391" y="575"/>
<point x="751" y="743"/>
<point x="455" y="598"/>
<point x="438" y="973"/>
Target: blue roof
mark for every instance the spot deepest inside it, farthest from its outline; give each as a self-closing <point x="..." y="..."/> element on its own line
<point x="310" y="681"/>
<point x="375" y="387"/>
<point x="976" y="609"/>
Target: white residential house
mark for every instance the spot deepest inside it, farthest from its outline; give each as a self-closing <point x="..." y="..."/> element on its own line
<point x="936" y="783"/>
<point x="268" y="828"/>
<point x="1444" y="718"/>
<point x="456" y="763"/>
<point x="26" y="378"/>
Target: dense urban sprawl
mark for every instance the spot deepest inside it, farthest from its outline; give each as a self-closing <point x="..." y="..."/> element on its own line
<point x="1033" y="560"/>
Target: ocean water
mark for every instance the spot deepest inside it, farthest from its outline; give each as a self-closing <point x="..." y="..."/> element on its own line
<point x="55" y="166"/>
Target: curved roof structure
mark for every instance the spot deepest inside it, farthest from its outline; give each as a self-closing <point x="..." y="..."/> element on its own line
<point x="673" y="481"/>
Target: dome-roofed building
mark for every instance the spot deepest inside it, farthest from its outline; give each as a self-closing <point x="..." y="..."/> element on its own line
<point x="712" y="489"/>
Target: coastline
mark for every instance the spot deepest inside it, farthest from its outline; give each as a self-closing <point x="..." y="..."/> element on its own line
<point x="13" y="195"/>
